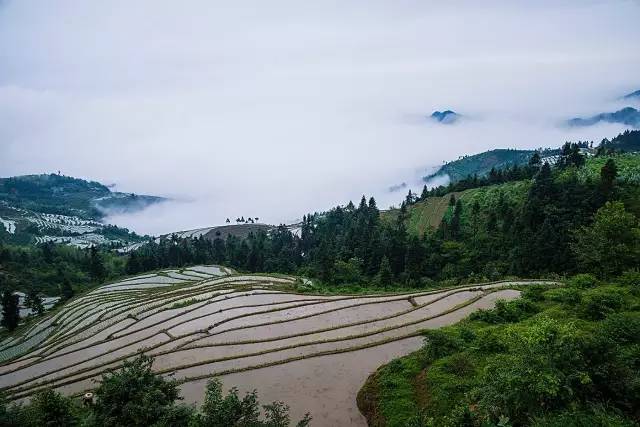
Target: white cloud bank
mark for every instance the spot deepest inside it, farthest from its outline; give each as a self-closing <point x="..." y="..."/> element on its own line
<point x="274" y="109"/>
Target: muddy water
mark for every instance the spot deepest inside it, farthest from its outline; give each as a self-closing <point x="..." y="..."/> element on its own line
<point x="343" y="317"/>
<point x="325" y="386"/>
<point x="56" y="366"/>
<point x="213" y="316"/>
<point x="302" y="346"/>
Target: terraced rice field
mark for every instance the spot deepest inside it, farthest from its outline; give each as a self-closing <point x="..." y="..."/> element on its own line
<point x="311" y="351"/>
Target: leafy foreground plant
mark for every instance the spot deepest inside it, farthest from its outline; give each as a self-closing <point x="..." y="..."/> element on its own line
<point x="135" y="396"/>
<point x="565" y="357"/>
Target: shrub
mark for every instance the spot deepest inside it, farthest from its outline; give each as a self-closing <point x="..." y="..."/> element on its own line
<point x="459" y="364"/>
<point x="630" y="278"/>
<point x="534" y="292"/>
<point x="134" y="395"/>
<point x="583" y="281"/>
<point x="543" y="369"/>
<point x="506" y="312"/>
<point x="597" y="417"/>
<point x="49" y="408"/>
<point x="622" y="328"/>
<point x="599" y="303"/>
<point x="439" y="343"/>
<point x="564" y="295"/>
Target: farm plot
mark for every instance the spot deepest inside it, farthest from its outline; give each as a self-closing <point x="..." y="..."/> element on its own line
<point x="238" y="327"/>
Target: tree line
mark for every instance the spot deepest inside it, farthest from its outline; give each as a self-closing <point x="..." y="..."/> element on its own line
<point x="552" y="228"/>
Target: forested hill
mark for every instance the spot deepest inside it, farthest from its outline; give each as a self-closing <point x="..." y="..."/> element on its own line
<point x="529" y="221"/>
<point x="481" y="164"/>
<point x="62" y="209"/>
<point x="59" y="194"/>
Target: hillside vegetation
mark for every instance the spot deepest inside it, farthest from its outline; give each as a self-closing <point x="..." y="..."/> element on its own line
<point x="522" y="221"/>
<point x="481" y="164"/>
<point x="54" y="208"/>
<point x="59" y="194"/>
<point x="557" y="357"/>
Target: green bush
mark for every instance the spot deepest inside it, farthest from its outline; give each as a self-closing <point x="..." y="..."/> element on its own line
<point x="622" y="328"/>
<point x="563" y="295"/>
<point x="591" y="417"/>
<point x="506" y="312"/>
<point x="583" y="281"/>
<point x="599" y="303"/>
<point x="440" y="343"/>
<point x="630" y="278"/>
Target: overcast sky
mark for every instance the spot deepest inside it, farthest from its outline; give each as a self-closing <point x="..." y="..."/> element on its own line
<point x="277" y="108"/>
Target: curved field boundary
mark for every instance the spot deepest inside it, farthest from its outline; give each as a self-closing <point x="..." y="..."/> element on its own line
<point x="16" y="389"/>
<point x="26" y="391"/>
<point x="312" y="332"/>
<point x="445" y="295"/>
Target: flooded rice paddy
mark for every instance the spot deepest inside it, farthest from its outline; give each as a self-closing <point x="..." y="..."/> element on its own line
<point x="311" y="351"/>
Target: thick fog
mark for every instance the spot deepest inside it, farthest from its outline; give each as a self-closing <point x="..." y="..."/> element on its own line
<point x="274" y="109"/>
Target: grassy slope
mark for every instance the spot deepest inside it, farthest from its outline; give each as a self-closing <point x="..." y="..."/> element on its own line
<point x="419" y="383"/>
<point x="429" y="213"/>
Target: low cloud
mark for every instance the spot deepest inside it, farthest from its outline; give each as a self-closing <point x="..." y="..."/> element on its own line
<point x="275" y="110"/>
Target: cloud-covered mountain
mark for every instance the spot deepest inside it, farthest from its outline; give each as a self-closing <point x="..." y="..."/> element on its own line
<point x="445" y="117"/>
<point x="628" y="116"/>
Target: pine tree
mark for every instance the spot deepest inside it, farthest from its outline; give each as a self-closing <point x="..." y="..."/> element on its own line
<point x="425" y="193"/>
<point x="66" y="290"/>
<point x="96" y="264"/>
<point x="385" y="275"/>
<point x="34" y="302"/>
<point x="608" y="174"/>
<point x="454" y="226"/>
<point x="10" y="310"/>
<point x="535" y="160"/>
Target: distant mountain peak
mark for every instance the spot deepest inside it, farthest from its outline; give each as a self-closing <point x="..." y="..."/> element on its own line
<point x="445" y="117"/>
<point x="632" y="95"/>
<point x="628" y="116"/>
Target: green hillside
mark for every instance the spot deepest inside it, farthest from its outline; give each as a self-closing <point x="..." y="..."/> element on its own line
<point x="427" y="214"/>
<point x="62" y="209"/>
<point x="59" y="194"/>
<point x="481" y="164"/>
<point x="559" y="356"/>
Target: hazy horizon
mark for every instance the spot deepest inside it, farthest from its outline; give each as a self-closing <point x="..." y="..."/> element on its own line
<point x="275" y="110"/>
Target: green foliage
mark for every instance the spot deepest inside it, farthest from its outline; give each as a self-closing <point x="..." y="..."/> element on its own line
<point x="569" y="296"/>
<point x="506" y="312"/>
<point x="583" y="281"/>
<point x="630" y="278"/>
<point x="481" y="164"/>
<point x="612" y="243"/>
<point x="57" y="269"/>
<point x="10" y="310"/>
<point x="540" y="369"/>
<point x="219" y="410"/>
<point x="185" y="303"/>
<point x="134" y="396"/>
<point x="51" y="409"/>
<point x="599" y="303"/>
<point x="597" y="416"/>
<point x="562" y="356"/>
